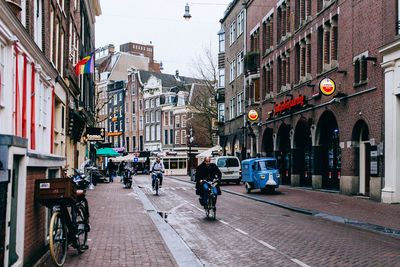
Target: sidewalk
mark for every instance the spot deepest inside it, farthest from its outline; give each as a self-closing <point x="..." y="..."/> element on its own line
<point x="353" y="210"/>
<point x="122" y="233"/>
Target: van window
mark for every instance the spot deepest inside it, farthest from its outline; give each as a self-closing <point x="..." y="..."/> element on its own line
<point x="267" y="165"/>
<point x="228" y="162"/>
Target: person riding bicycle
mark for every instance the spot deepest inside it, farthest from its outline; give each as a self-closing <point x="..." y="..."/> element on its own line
<point x="207" y="172"/>
<point x="157" y="168"/>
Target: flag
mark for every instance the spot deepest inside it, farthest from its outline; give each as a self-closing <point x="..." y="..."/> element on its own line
<point x="86" y="65"/>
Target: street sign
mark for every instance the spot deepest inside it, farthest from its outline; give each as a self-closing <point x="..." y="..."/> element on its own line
<point x="135" y="159"/>
<point x="95" y="134"/>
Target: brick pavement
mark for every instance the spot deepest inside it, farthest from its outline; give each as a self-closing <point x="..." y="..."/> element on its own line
<point x="122" y="232"/>
<point x="350" y="207"/>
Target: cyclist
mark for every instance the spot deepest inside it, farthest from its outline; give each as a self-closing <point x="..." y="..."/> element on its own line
<point x="207" y="171"/>
<point x="157" y="168"/>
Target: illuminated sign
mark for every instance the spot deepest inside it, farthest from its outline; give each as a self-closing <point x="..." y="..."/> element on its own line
<point x="289" y="104"/>
<point x="327" y="86"/>
<point x="253" y="115"/>
<point x="114" y="119"/>
<point x="95" y="134"/>
<point x="114" y="134"/>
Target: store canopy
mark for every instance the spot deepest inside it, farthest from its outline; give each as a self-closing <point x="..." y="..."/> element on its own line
<point x="106" y="152"/>
<point x="129" y="158"/>
<point x="208" y="152"/>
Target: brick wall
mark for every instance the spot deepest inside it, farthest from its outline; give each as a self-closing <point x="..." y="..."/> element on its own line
<point x="35" y="218"/>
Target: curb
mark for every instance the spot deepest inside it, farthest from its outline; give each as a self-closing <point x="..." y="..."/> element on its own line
<point x="334" y="218"/>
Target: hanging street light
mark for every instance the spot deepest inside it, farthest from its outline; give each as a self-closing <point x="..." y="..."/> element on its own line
<point x="187" y="15"/>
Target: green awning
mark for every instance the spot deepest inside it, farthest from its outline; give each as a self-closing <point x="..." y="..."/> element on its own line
<point x="106" y="152"/>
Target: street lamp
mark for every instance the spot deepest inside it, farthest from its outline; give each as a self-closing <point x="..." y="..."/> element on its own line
<point x="187" y="15"/>
<point x="191" y="139"/>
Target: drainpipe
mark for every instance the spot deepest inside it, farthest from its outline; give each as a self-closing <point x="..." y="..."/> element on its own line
<point x="244" y="85"/>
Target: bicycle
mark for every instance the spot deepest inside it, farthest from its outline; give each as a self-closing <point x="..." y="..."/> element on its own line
<point x="69" y="224"/>
<point x="156" y="184"/>
<point x="211" y="200"/>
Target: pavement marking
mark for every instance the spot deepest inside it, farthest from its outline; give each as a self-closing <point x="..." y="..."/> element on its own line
<point x="183" y="255"/>
<point x="224" y="222"/>
<point x="300" y="263"/>
<point x="266" y="244"/>
<point x="177" y="207"/>
<point x="241" y="231"/>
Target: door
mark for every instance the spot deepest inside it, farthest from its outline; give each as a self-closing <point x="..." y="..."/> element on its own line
<point x="13" y="256"/>
<point x="364" y="167"/>
<point x="3" y="205"/>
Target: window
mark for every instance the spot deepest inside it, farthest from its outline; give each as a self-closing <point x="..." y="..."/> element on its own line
<point x="140" y="105"/>
<point x="165" y="137"/>
<point x="121" y="129"/>
<point x="360" y="70"/>
<point x="147" y="114"/>
<point x="133" y="123"/>
<point x="140" y="123"/>
<point x="240" y="104"/>
<point x="181" y="100"/>
<point x="221" y="78"/>
<point x="51" y="33"/>
<point x="126" y="108"/>
<point x="61" y="68"/>
<point x="115" y="126"/>
<point x="240" y="25"/>
<point x="38" y="21"/>
<point x="166" y="118"/>
<point x="232" y="110"/>
<point x="152" y="116"/>
<point x="57" y="35"/>
<point x="240" y="63"/>
<point x="147" y="133"/>
<point x="120" y="96"/>
<point x="152" y="103"/>
<point x="115" y="99"/>
<point x="157" y="102"/>
<point x="221" y="112"/>
<point x="158" y="115"/>
<point x="232" y="68"/>
<point x="134" y="143"/>
<point x="183" y="121"/>
<point x="177" y="137"/>
<point x="158" y="132"/>
<point x="110" y="127"/>
<point x="127" y="123"/>
<point x="183" y="139"/>
<point x="222" y="42"/>
<point x="2" y="77"/>
<point x="171" y="136"/>
<point x="147" y="104"/>
<point x="133" y="84"/>
<point x="232" y="33"/>
<point x="153" y="132"/>
<point x="133" y="107"/>
<point x="177" y="121"/>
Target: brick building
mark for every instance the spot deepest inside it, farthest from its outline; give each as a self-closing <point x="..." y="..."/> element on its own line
<point x="40" y="43"/>
<point x="293" y="49"/>
<point x="230" y="95"/>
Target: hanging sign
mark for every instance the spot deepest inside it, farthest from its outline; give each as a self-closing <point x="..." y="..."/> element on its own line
<point x="289" y="104"/>
<point x="327" y="86"/>
<point x="253" y="115"/>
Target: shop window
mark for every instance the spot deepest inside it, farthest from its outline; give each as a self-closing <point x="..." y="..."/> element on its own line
<point x="182" y="163"/>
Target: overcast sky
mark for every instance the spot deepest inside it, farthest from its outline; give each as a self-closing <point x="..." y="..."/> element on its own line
<point x="177" y="42"/>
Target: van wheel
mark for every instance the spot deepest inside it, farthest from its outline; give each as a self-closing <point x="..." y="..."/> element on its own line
<point x="248" y="188"/>
<point x="238" y="181"/>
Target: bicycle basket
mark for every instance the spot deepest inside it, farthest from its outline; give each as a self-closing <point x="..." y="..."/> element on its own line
<point x="55" y="191"/>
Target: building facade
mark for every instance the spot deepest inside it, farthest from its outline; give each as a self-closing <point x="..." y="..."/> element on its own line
<point x="318" y="91"/>
<point x="230" y="95"/>
<point x="36" y="90"/>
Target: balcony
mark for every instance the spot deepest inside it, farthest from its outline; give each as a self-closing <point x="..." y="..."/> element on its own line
<point x="252" y="62"/>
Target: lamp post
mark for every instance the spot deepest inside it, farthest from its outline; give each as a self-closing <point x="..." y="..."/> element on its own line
<point x="191" y="139"/>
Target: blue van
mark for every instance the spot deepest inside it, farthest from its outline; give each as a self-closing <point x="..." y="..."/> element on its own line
<point x="260" y="173"/>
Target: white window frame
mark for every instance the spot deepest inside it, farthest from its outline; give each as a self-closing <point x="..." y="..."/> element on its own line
<point x="232" y="33"/>
<point x="239" y="104"/>
<point x="221" y="78"/>
<point x="177" y="121"/>
<point x="240" y="64"/>
<point x="177" y="137"/>
<point x="183" y="121"/>
<point x="183" y="137"/>
<point x="3" y="77"/>
<point x="158" y="132"/>
<point x="221" y="42"/>
<point x="232" y="68"/>
<point x="240" y="23"/>
<point x="140" y="123"/>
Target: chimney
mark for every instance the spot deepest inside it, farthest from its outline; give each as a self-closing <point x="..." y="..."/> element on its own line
<point x="177" y="74"/>
<point x="111" y="49"/>
<point x="15" y="6"/>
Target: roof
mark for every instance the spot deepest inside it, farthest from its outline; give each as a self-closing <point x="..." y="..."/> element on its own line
<point x="124" y="62"/>
<point x="256" y="159"/>
<point x="168" y="80"/>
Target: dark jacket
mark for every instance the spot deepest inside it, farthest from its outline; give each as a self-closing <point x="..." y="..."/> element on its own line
<point x="207" y="173"/>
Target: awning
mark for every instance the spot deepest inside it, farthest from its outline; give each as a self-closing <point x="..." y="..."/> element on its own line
<point x="208" y="152"/>
<point x="106" y="152"/>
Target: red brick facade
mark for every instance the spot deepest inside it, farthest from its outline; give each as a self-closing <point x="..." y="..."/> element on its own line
<point x="35" y="217"/>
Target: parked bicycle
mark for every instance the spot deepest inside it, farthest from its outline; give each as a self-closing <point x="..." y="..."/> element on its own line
<point x="210" y="207"/>
<point x="69" y="224"/>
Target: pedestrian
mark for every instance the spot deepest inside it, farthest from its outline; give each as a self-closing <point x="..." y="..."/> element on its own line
<point x="121" y="170"/>
<point x="110" y="169"/>
<point x="207" y="172"/>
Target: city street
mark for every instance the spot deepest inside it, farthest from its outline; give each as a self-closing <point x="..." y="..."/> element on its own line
<point x="246" y="232"/>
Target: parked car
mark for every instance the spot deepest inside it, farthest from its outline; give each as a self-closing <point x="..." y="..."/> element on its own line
<point x="229" y="167"/>
<point x="260" y="173"/>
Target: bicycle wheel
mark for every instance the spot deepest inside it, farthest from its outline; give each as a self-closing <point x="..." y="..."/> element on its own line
<point x="214" y="209"/>
<point x="156" y="186"/>
<point x="58" y="239"/>
<point x="208" y="206"/>
<point x="82" y="228"/>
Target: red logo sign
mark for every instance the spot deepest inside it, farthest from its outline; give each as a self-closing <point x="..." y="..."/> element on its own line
<point x="253" y="115"/>
<point x="288" y="104"/>
<point x="327" y="86"/>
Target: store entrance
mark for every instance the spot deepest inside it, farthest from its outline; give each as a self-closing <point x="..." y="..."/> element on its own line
<point x="284" y="156"/>
<point x="303" y="152"/>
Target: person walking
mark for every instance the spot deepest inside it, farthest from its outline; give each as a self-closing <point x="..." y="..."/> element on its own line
<point x="110" y="169"/>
